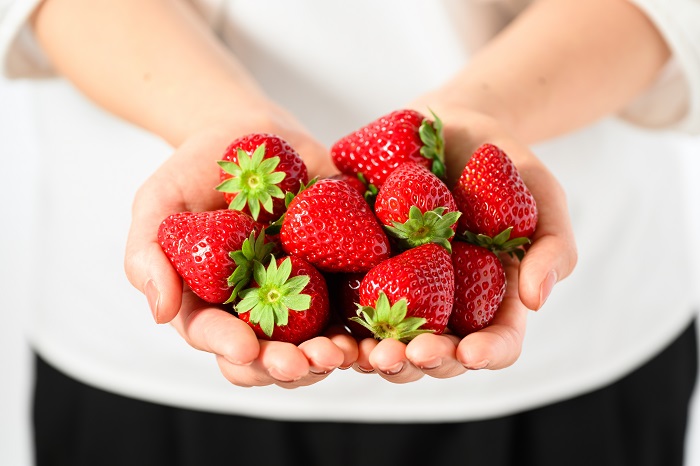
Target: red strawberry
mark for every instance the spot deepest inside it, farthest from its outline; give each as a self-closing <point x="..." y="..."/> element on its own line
<point x="287" y="302"/>
<point x="353" y="181"/>
<point x="205" y="247"/>
<point x="409" y="294"/>
<point x="330" y="225"/>
<point x="377" y="148"/>
<point x="416" y="207"/>
<point x="498" y="210"/>
<point x="258" y="170"/>
<point x="480" y="284"/>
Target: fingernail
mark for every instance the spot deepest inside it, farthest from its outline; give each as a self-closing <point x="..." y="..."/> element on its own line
<point x="366" y="371"/>
<point x="238" y="362"/>
<point x="547" y="286"/>
<point x="433" y="364"/>
<point x="318" y="371"/>
<point x="153" y="296"/>
<point x="280" y="375"/>
<point x="393" y="370"/>
<point x="481" y="365"/>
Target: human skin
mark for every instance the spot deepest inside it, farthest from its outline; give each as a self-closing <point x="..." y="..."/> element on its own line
<point x="158" y="66"/>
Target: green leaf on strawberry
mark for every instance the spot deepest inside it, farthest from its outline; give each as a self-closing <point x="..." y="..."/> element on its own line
<point x="433" y="144"/>
<point x="276" y="294"/>
<point x="254" y="249"/>
<point x="499" y="243"/>
<point x="389" y="321"/>
<point x="253" y="179"/>
<point x="371" y="190"/>
<point x="274" y="227"/>
<point x="421" y="228"/>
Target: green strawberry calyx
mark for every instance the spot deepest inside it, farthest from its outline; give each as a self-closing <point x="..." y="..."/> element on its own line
<point x="276" y="294"/>
<point x="385" y="320"/>
<point x="253" y="179"/>
<point x="254" y="249"/>
<point x="431" y="134"/>
<point x="433" y="226"/>
<point x="371" y="192"/>
<point x="499" y="243"/>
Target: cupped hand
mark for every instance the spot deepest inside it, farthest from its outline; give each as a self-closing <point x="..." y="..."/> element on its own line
<point x="185" y="182"/>
<point x="443" y="356"/>
<point x="551" y="257"/>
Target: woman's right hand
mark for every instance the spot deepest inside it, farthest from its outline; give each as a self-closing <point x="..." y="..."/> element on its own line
<point x="185" y="182"/>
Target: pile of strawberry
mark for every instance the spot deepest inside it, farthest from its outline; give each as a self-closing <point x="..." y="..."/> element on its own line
<point x="385" y="246"/>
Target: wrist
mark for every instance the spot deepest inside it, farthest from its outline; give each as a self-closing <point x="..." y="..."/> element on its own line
<point x="218" y="128"/>
<point x="478" y="102"/>
<point x="465" y="129"/>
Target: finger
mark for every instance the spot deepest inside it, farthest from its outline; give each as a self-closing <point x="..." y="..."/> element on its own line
<point x="347" y="344"/>
<point x="553" y="254"/>
<point x="145" y="264"/>
<point x="435" y="355"/>
<point x="322" y="355"/>
<point x="316" y="158"/>
<point x="389" y="360"/>
<point x="284" y="362"/>
<point x="278" y="363"/>
<point x="214" y="330"/>
<point x="499" y="345"/>
<point x="550" y="259"/>
<point x="364" y="349"/>
<point x="242" y="376"/>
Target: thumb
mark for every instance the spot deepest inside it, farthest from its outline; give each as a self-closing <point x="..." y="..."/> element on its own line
<point x="146" y="265"/>
<point x="553" y="255"/>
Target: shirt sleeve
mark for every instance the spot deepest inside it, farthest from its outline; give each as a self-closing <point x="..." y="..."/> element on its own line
<point x="673" y="101"/>
<point x="20" y="55"/>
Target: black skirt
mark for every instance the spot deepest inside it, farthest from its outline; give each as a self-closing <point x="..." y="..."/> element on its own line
<point x="639" y="420"/>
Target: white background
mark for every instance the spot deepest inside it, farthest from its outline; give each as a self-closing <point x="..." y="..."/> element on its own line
<point x="16" y="171"/>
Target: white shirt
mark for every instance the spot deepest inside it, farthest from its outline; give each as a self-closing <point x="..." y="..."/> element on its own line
<point x="629" y="296"/>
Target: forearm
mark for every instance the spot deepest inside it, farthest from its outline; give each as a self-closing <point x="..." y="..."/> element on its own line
<point x="561" y="65"/>
<point x="154" y="63"/>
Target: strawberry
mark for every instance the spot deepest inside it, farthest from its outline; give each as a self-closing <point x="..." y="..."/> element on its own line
<point x="377" y="148"/>
<point x="345" y="295"/>
<point x="480" y="284"/>
<point x="416" y="207"/>
<point x="288" y="301"/>
<point x="257" y="171"/>
<point x="408" y="294"/>
<point x="498" y="210"/>
<point x="354" y="181"/>
<point x="330" y="225"/>
<point x="212" y="251"/>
